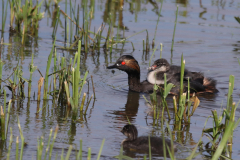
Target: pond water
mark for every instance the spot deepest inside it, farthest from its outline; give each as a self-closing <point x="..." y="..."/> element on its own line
<point x="206" y="34"/>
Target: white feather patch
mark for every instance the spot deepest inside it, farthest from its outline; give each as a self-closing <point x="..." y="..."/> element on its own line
<point x="151" y="76"/>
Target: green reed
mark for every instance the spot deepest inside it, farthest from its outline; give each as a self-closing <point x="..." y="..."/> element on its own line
<point x="186" y="106"/>
<point x="32" y="69"/>
<point x="50" y="145"/>
<point x="47" y="71"/>
<point x="161" y="46"/>
<point x="121" y="156"/>
<point x="147" y="42"/>
<point x="77" y="20"/>
<point x="174" y="28"/>
<point x="155" y="103"/>
<point x="55" y="23"/>
<point x="170" y="150"/>
<point x="237" y="19"/>
<point x="17" y="146"/>
<point x="152" y="55"/>
<point x="143" y="45"/>
<point x="10" y="144"/>
<point x="48" y="148"/>
<point x="221" y="137"/>
<point x="159" y="14"/>
<point x="77" y="87"/>
<point x="221" y="133"/>
<point x="193" y="154"/>
<point x="75" y="80"/>
<point x="16" y="82"/>
<point x="149" y="144"/>
<point x="230" y="91"/>
<point x="85" y="25"/>
<point x="182" y="76"/>
<point x="26" y="17"/>
<point x="65" y="20"/>
<point x="8" y="117"/>
<point x="2" y="123"/>
<point x="223" y="143"/>
<point x="5" y="116"/>
<point x="163" y="137"/>
<point x="4" y="16"/>
<point x="69" y="152"/>
<point x="84" y="33"/>
<point x="55" y="70"/>
<point x="22" y="139"/>
<point x="1" y="68"/>
<point x="5" y="100"/>
<point x="47" y="4"/>
<point x="71" y="26"/>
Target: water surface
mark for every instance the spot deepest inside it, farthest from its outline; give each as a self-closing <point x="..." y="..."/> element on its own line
<point x="207" y="35"/>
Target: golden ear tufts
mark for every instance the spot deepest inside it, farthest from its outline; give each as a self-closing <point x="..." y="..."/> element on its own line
<point x="132" y="63"/>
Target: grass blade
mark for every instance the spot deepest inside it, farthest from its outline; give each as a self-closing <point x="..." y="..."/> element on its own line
<point x="100" y="151"/>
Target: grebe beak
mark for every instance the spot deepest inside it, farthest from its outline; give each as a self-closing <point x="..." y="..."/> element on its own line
<point x="113" y="66"/>
<point x="121" y="131"/>
<point x="153" y="67"/>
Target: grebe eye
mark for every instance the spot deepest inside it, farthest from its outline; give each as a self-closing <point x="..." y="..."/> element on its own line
<point x="123" y="63"/>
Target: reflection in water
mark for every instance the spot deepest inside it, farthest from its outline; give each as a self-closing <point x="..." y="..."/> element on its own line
<point x="110" y="13"/>
<point x="203" y="12"/>
<point x="184" y="2"/>
<point x="131" y="108"/>
<point x="236" y="46"/>
<point x="3" y="148"/>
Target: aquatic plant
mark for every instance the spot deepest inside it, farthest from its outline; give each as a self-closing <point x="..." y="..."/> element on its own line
<point x="55" y="23"/>
<point x="221" y="134"/>
<point x="159" y="14"/>
<point x="4" y="16"/>
<point x="32" y="69"/>
<point x="5" y="116"/>
<point x="182" y="107"/>
<point x="174" y="28"/>
<point x="48" y="148"/>
<point x="26" y="17"/>
<point x="17" y="81"/>
<point x="47" y="71"/>
<point x="237" y="19"/>
<point x="83" y="33"/>
<point x="76" y="83"/>
<point x="1" y="69"/>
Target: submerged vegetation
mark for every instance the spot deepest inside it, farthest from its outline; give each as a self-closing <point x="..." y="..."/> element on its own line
<point x="65" y="79"/>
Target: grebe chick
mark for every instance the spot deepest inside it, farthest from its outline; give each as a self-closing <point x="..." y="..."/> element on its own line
<point x="129" y="65"/>
<point x="141" y="144"/>
<point x="198" y="83"/>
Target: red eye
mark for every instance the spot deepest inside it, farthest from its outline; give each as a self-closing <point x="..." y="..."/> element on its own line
<point x="123" y="63"/>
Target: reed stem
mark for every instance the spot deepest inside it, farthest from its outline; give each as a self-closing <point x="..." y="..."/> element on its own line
<point x="174" y="28"/>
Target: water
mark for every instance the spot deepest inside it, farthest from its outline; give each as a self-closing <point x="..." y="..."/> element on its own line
<point x="206" y="34"/>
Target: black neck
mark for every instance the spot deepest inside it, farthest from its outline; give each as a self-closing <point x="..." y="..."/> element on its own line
<point x="134" y="81"/>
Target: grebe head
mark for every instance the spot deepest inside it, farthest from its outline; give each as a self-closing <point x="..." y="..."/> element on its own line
<point x="130" y="131"/>
<point x="126" y="63"/>
<point x="160" y="65"/>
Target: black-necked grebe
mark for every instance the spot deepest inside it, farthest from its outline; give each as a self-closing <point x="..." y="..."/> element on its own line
<point x="141" y="144"/>
<point x="198" y="83"/>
